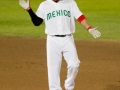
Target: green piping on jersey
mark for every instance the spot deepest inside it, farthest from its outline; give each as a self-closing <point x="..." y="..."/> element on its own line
<point x="58" y="13"/>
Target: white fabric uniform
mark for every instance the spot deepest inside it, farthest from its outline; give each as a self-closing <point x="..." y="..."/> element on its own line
<point x="59" y="20"/>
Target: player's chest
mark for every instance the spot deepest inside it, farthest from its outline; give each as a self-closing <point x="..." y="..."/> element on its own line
<point x="56" y="7"/>
<point x="52" y="11"/>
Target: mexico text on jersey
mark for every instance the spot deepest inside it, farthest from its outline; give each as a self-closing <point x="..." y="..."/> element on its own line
<point x="58" y="13"/>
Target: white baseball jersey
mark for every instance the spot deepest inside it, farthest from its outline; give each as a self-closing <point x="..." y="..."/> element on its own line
<point x="59" y="17"/>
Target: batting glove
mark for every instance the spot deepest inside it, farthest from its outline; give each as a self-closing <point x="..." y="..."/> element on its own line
<point x="94" y="32"/>
<point x="24" y="4"/>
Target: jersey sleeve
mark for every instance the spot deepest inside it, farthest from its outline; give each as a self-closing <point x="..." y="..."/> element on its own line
<point x="40" y="11"/>
<point x="76" y="11"/>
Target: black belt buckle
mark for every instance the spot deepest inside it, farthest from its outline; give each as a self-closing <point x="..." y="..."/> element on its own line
<point x="60" y="35"/>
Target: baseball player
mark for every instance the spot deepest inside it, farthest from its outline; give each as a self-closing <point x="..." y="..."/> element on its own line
<point x="59" y="16"/>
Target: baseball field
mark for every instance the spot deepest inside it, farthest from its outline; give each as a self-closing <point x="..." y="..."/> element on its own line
<point x="23" y="48"/>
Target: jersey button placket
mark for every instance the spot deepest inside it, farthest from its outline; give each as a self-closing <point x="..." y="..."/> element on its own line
<point x="58" y="20"/>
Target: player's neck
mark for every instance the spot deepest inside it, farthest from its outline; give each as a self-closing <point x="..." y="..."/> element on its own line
<point x="56" y="1"/>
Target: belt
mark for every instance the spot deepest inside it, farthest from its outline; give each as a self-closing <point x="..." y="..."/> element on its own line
<point x="62" y="35"/>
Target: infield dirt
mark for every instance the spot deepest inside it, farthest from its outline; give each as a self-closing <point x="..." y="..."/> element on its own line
<point x="23" y="65"/>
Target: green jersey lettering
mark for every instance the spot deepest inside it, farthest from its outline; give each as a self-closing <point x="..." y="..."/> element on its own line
<point x="56" y="13"/>
<point x="53" y="14"/>
<point x="65" y="12"/>
<point x="49" y="16"/>
<point x="69" y="15"/>
<point x="61" y="13"/>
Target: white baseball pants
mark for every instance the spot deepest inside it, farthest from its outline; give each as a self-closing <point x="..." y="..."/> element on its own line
<point x="56" y="47"/>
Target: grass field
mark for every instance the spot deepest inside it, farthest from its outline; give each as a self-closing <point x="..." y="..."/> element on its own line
<point x="15" y="22"/>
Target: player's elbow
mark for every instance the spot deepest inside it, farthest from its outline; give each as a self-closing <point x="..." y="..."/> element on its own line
<point x="37" y="21"/>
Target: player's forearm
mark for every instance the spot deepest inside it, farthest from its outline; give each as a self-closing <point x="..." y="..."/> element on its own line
<point x="35" y="19"/>
<point x="85" y="24"/>
<point x="83" y="21"/>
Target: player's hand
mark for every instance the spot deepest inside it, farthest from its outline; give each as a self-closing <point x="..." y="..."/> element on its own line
<point x="94" y="32"/>
<point x="24" y="4"/>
